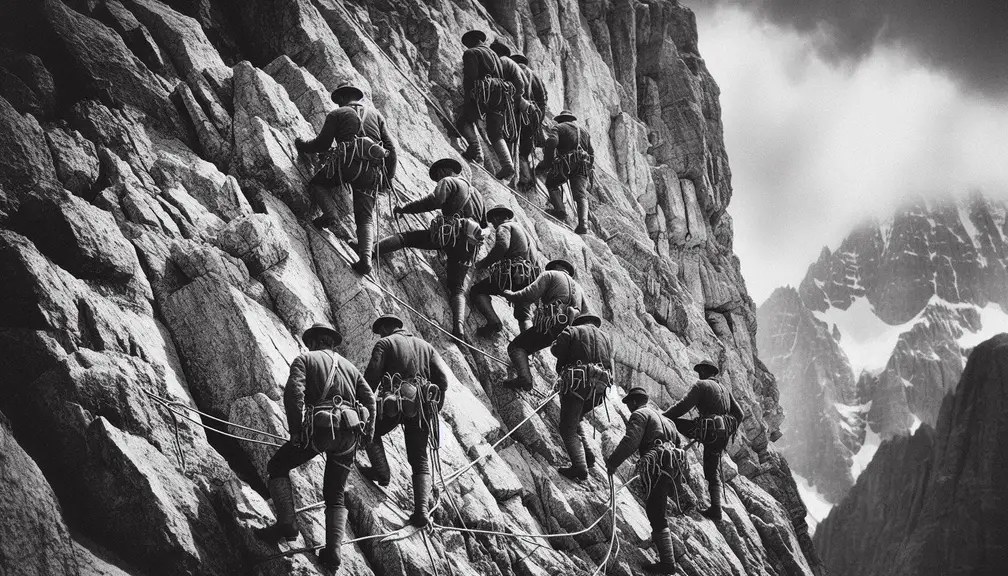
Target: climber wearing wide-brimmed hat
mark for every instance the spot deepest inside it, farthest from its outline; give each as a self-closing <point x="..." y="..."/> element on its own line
<point x="457" y="230"/>
<point x="530" y="122"/>
<point x="584" y="364"/>
<point x="357" y="152"/>
<point x="513" y="263"/>
<point x="661" y="463"/>
<point x="514" y="75"/>
<point x="720" y="417"/>
<point x="568" y="157"/>
<point x="560" y="299"/>
<point x="487" y="94"/>
<point x="317" y="425"/>
<point x="410" y="381"/>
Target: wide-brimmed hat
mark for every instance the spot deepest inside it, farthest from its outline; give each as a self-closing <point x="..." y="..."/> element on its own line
<point x="706" y="366"/>
<point x="565" y="116"/>
<point x="499" y="48"/>
<point x="561" y="264"/>
<point x="452" y="163"/>
<point x="500" y="210"/>
<point x="519" y="58"/>
<point x="346" y="90"/>
<point x="472" y="38"/>
<point x="636" y="392"/>
<point x="384" y="319"/>
<point x="587" y="318"/>
<point x="322" y="329"/>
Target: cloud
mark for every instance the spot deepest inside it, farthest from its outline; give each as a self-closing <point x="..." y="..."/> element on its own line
<point x="968" y="38"/>
<point x="817" y="145"/>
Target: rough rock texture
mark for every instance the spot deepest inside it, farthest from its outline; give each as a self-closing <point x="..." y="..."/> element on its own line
<point x="928" y="269"/>
<point x="182" y="270"/>
<point x="934" y="503"/>
<point x="816" y="384"/>
<point x="951" y="249"/>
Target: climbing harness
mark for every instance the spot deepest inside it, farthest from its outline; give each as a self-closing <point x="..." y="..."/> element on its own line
<point x="413" y="399"/>
<point x="458" y="235"/>
<point x="587" y="382"/>
<point x="494" y="95"/>
<point x="513" y="273"/>
<point x="334" y="426"/>
<point x="714" y="429"/>
<point x="575" y="162"/>
<point x="549" y="316"/>
<point x="663" y="459"/>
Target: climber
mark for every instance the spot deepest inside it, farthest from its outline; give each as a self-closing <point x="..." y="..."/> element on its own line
<point x="410" y="380"/>
<point x="560" y="299"/>
<point x="513" y="263"/>
<point x="568" y="157"/>
<point x="720" y="416"/>
<point x="487" y="95"/>
<point x="512" y="72"/>
<point x="584" y="363"/>
<point x="359" y="153"/>
<point x="661" y="465"/>
<point x="457" y="231"/>
<point x="330" y="409"/>
<point x="530" y="122"/>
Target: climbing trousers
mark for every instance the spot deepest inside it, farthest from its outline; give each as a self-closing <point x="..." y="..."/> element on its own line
<point x="416" y="443"/>
<point x="572" y="411"/>
<point x="711" y="462"/>
<point x="337" y="468"/>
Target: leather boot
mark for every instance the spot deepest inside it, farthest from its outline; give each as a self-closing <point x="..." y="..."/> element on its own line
<point x="365" y="244"/>
<point x="589" y="455"/>
<point x="457" y="302"/>
<point x="285" y="527"/>
<point x="714" y="488"/>
<point x="389" y="244"/>
<point x="523" y="374"/>
<point x="582" y="208"/>
<point x="558" y="210"/>
<point x="666" y="563"/>
<point x="474" y="151"/>
<point x="504" y="159"/>
<point x="483" y="305"/>
<point x="378" y="472"/>
<point x="526" y="180"/>
<point x="578" y="470"/>
<point x="421" y="500"/>
<point x="335" y="520"/>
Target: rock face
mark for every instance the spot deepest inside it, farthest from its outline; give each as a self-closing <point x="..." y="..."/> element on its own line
<point x="954" y="250"/>
<point x="897" y="302"/>
<point x="817" y="390"/>
<point x="933" y="503"/>
<point x="156" y="256"/>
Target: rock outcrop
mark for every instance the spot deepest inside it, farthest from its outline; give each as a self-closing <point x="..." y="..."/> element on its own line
<point x="156" y="253"/>
<point x="895" y="302"/>
<point x="821" y="432"/>
<point x="933" y="503"/>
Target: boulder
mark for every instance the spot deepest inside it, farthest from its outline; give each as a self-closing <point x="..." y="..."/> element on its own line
<point x="27" y="84"/>
<point x="75" y="160"/>
<point x="182" y="37"/>
<point x="25" y="160"/>
<point x="134" y="34"/>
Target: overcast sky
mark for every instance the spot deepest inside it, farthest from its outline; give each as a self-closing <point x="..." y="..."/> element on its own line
<point x="830" y="119"/>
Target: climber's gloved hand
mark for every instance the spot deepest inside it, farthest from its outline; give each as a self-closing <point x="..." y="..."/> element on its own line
<point x="611" y="469"/>
<point x="397" y="211"/>
<point x="299" y="144"/>
<point x="508" y="294"/>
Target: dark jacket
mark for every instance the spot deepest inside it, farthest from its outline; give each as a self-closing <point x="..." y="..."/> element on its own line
<point x="645" y="427"/>
<point x="554" y="285"/>
<point x="569" y="135"/>
<point x="585" y="344"/>
<point x="344" y="124"/>
<point x="511" y="72"/>
<point x="476" y="63"/>
<point x="307" y="381"/>
<point x="535" y="89"/>
<point x="711" y="398"/>
<point x="406" y="355"/>
<point x="452" y="195"/>
<point x="511" y="242"/>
